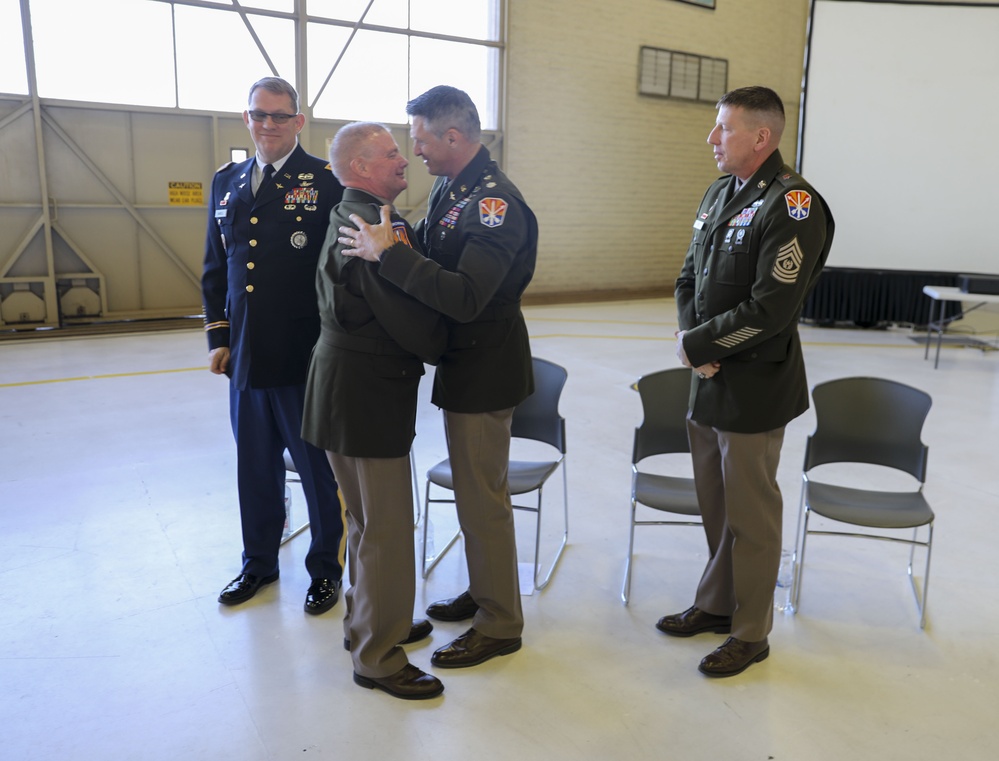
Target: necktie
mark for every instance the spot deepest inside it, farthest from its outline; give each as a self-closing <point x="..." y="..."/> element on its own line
<point x="268" y="173"/>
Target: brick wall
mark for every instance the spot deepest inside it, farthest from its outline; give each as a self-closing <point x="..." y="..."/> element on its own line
<point x="614" y="177"/>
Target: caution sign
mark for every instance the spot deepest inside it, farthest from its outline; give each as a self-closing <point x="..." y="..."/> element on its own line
<point x="186" y="194"/>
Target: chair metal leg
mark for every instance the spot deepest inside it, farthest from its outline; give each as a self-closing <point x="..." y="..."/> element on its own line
<point x="416" y="490"/>
<point x="799" y="557"/>
<point x="626" y="586"/>
<point x="426" y="569"/>
<point x="921" y="599"/>
<point x="565" y="535"/>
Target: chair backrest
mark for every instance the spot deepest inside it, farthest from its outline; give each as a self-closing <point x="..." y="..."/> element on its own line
<point x="869" y="420"/>
<point x="665" y="401"/>
<point x="537" y="416"/>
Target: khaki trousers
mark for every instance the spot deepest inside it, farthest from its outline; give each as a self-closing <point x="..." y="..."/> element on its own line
<point x="479" y="450"/>
<point x="378" y="494"/>
<point x="736" y="481"/>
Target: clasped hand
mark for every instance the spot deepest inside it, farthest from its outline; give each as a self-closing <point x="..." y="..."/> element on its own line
<point x="704" y="371"/>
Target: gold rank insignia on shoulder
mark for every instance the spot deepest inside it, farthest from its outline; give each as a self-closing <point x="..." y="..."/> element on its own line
<point x="762" y="184"/>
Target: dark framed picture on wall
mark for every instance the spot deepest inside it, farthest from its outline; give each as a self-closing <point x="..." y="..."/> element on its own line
<point x="702" y="3"/>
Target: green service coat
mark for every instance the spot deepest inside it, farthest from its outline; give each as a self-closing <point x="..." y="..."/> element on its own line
<point x="751" y="262"/>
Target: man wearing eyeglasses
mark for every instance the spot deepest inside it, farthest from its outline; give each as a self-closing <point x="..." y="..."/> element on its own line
<point x="267" y="220"/>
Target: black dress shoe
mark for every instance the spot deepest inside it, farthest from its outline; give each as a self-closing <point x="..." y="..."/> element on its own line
<point x="409" y="683"/>
<point x="734" y="657"/>
<point x="456" y="609"/>
<point x="473" y="648"/>
<point x="420" y="629"/>
<point x="322" y="595"/>
<point x="694" y="621"/>
<point x="243" y="587"/>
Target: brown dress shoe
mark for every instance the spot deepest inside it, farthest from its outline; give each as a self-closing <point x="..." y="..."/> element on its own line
<point x="473" y="648"/>
<point x="734" y="657"/>
<point x="694" y="621"/>
<point x="408" y="683"/>
<point x="420" y="629"/>
<point x="456" y="609"/>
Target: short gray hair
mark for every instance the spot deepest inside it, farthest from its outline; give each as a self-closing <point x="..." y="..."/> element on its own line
<point x="277" y="86"/>
<point x="349" y="142"/>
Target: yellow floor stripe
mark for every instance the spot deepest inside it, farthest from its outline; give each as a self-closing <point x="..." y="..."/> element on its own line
<point x="101" y="377"/>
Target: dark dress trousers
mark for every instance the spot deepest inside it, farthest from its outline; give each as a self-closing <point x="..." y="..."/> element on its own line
<point x="258" y="290"/>
<point x="481" y="241"/>
<point x="361" y="400"/>
<point x="754" y="256"/>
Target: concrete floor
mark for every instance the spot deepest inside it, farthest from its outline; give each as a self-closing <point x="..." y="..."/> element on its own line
<point x="119" y="527"/>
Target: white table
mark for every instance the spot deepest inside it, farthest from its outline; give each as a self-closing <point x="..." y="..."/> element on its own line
<point x="941" y="294"/>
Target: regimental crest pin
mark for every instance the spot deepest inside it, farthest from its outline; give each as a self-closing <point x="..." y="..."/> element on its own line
<point x="492" y="211"/>
<point x="299" y="239"/>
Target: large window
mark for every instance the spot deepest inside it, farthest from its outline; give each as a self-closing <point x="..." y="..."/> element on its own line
<point x="363" y="58"/>
<point x="13" y="77"/>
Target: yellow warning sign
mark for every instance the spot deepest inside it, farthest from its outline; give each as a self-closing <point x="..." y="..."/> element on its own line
<point x="186" y="194"/>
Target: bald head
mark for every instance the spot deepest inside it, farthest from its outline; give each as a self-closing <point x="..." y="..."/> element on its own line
<point x="364" y="155"/>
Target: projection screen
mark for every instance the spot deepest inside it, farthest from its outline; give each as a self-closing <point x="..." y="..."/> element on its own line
<point x="901" y="133"/>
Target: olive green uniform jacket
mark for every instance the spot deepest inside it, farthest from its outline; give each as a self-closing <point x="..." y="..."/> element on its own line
<point x="364" y="377"/>
<point x="481" y="242"/>
<point x="753" y="258"/>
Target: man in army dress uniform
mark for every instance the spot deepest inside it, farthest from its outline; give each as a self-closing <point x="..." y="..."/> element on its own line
<point x="481" y="241"/>
<point x="267" y="220"/>
<point x="760" y="239"/>
<point x="360" y="407"/>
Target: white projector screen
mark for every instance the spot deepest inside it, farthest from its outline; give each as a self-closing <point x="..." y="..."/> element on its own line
<point x="901" y="133"/>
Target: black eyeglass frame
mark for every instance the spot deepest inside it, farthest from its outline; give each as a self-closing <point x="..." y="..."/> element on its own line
<point x="277" y="118"/>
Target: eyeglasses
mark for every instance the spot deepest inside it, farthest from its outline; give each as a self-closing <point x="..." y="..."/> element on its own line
<point x="259" y="116"/>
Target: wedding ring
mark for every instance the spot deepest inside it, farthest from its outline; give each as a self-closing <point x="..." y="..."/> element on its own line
<point x="702" y="376"/>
